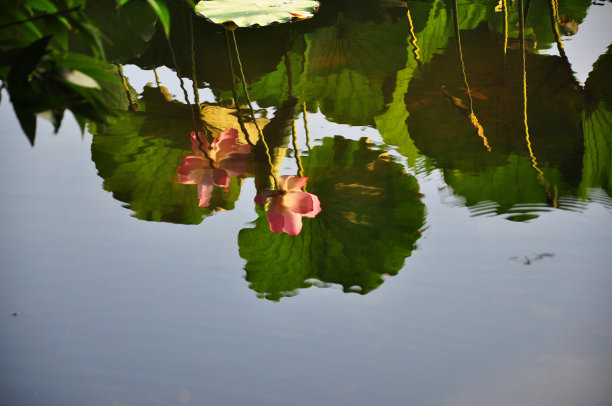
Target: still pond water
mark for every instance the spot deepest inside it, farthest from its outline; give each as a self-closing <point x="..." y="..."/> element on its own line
<point x="459" y="256"/>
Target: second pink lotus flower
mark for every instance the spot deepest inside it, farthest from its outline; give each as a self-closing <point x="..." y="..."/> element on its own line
<point x="213" y="164"/>
<point x="289" y="204"/>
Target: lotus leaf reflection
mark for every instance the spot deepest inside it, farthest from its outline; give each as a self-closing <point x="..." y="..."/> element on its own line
<point x="371" y="218"/>
<point x="137" y="153"/>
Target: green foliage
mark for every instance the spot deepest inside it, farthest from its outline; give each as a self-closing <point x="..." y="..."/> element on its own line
<point x="40" y="74"/>
<point x="369" y="223"/>
<point x="346" y="68"/>
<point x="514" y="187"/>
<point x="52" y="57"/>
<point x="138" y="153"/>
<point x="597" y="127"/>
<point x="161" y="11"/>
<point x="597" y="163"/>
<point x="441" y="130"/>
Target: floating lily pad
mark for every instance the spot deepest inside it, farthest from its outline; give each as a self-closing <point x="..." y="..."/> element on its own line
<point x="255" y="13"/>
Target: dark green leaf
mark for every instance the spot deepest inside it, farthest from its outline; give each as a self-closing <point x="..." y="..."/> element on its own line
<point x="41" y="5"/>
<point x="161" y="10"/>
<point x="27" y="121"/>
<point x="30" y="57"/>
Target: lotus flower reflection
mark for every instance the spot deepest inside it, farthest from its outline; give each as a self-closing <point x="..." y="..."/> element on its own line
<point x="288" y="204"/>
<point x="213" y="164"/>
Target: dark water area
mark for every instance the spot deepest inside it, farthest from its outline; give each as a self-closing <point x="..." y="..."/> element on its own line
<point x="450" y="245"/>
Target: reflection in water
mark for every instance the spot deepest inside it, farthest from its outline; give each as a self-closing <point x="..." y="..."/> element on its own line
<point x="288" y="204"/>
<point x="486" y="312"/>
<point x="213" y="164"/>
<point x="370" y="221"/>
<point x="363" y="209"/>
<point x="137" y="153"/>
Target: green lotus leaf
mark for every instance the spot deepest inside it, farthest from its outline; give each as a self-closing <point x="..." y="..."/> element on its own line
<point x="515" y="189"/>
<point x="349" y="67"/>
<point x="432" y="39"/>
<point x="597" y="163"/>
<point x="255" y="13"/>
<point x="369" y="224"/>
<point x="438" y="105"/>
<point x="138" y="153"/>
<point x="597" y="128"/>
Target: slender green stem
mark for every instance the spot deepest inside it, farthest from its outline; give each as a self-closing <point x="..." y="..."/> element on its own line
<point x="554" y="20"/>
<point x="534" y="161"/>
<point x="191" y="108"/>
<point x="415" y="49"/>
<point x="505" y="12"/>
<point x="296" y="152"/>
<point x="125" y="86"/>
<point x="234" y="92"/>
<point x="246" y="94"/>
<point x="157" y="81"/>
<point x="306" y="125"/>
<point x="194" y="80"/>
<point x="472" y="117"/>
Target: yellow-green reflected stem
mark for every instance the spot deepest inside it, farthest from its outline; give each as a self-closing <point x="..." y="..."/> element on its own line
<point x="194" y="121"/>
<point x="234" y="92"/>
<point x="472" y="117"/>
<point x="182" y="84"/>
<point x="505" y="12"/>
<point x="246" y="94"/>
<point x="196" y="93"/>
<point x="296" y="151"/>
<point x="125" y="85"/>
<point x="414" y="38"/>
<point x="157" y="81"/>
<point x="534" y="161"/>
<point x="554" y="17"/>
<point x="306" y="125"/>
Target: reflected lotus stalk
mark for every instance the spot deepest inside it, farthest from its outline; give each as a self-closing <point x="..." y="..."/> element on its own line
<point x="213" y="164"/>
<point x="289" y="204"/>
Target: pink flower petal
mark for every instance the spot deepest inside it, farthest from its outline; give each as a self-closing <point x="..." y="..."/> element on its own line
<point x="293" y="223"/>
<point x="220" y="178"/>
<point x="204" y="192"/>
<point x="316" y="207"/>
<point x="293" y="182"/>
<point x="193" y="169"/>
<point x="235" y="164"/>
<point x="298" y="202"/>
<point x="276" y="220"/>
<point x="199" y="143"/>
<point x="224" y="144"/>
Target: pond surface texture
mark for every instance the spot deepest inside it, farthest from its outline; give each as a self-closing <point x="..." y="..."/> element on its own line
<point x="452" y="242"/>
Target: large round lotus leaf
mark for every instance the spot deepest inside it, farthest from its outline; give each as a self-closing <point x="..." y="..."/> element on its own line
<point x="369" y="224"/>
<point x="138" y="153"/>
<point x="438" y="106"/>
<point x="261" y="12"/>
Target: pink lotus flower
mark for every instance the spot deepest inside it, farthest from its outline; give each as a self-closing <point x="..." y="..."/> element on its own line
<point x="213" y="165"/>
<point x="289" y="204"/>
